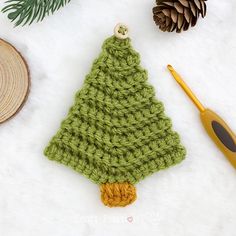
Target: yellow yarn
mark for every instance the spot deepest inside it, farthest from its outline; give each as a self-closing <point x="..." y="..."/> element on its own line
<point x="118" y="194"/>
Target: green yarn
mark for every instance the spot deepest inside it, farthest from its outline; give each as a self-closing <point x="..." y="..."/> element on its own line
<point x="116" y="131"/>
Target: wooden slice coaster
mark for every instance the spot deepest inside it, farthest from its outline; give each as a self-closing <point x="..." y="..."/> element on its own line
<point x="14" y="81"/>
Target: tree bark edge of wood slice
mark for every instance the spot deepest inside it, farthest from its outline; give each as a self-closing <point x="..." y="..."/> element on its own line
<point x="14" y="81"/>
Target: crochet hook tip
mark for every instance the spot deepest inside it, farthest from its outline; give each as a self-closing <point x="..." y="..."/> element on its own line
<point x="185" y="87"/>
<point x="170" y="67"/>
<point x="175" y="74"/>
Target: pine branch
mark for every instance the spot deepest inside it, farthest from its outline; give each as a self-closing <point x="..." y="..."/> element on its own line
<point x="27" y="11"/>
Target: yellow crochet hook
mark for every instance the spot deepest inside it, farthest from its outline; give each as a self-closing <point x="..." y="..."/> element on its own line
<point x="215" y="126"/>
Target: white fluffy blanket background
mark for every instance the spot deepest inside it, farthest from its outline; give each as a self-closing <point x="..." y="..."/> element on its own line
<point x="197" y="197"/>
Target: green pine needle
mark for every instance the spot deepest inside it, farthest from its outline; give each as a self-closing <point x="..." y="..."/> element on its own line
<point x="27" y="11"/>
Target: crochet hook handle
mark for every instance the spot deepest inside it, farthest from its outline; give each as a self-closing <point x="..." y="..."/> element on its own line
<point x="215" y="126"/>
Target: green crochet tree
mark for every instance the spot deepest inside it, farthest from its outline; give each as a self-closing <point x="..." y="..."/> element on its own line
<point x="116" y="133"/>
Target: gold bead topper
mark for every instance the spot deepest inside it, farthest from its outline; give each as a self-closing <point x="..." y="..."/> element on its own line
<point x="121" y="31"/>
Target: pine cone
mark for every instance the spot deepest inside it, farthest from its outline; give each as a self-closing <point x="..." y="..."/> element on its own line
<point x="178" y="15"/>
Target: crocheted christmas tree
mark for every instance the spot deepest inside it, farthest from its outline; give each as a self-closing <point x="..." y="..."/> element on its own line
<point x="116" y="133"/>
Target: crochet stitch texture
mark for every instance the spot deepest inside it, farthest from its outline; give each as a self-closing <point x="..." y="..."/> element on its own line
<point x="116" y="131"/>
